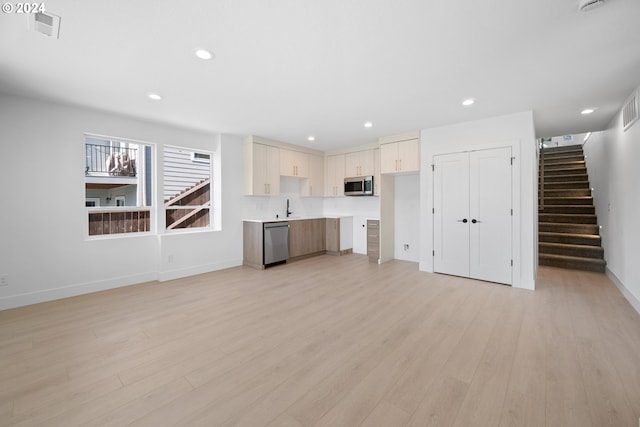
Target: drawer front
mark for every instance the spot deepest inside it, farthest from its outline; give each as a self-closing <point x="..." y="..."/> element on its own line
<point x="373" y="238"/>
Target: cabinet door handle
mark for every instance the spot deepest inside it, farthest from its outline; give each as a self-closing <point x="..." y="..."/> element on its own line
<point x="400" y="164"/>
<point x="475" y="220"/>
<point x="464" y="220"/>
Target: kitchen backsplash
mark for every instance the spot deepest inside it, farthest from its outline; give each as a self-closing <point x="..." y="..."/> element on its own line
<point x="258" y="207"/>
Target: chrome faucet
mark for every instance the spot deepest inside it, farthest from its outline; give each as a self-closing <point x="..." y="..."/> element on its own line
<point x="288" y="211"/>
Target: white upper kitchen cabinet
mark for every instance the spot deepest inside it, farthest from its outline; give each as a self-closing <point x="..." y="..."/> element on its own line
<point x="294" y="163"/>
<point x="314" y="185"/>
<point x="400" y="156"/>
<point x="376" y="172"/>
<point x="334" y="176"/>
<point x="261" y="169"/>
<point x="359" y="163"/>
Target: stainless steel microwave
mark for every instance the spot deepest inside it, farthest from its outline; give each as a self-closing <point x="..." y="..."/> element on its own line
<point x="358" y="186"/>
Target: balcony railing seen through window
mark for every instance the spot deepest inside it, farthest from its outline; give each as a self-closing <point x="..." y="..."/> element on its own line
<point x="104" y="160"/>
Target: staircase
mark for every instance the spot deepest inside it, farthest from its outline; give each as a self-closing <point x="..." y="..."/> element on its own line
<point x="568" y="228"/>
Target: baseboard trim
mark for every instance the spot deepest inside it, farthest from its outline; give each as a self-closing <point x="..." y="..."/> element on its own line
<point x="635" y="303"/>
<point x="179" y="273"/>
<point x="47" y="295"/>
<point x="21" y="300"/>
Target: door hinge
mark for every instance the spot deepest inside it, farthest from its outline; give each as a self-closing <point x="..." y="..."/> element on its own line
<point x="511" y="212"/>
<point x="433" y="210"/>
<point x="433" y="253"/>
<point x="433" y="167"/>
<point x="511" y="263"/>
<point x="512" y="160"/>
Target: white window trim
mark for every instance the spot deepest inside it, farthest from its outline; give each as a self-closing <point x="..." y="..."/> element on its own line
<point x="153" y="209"/>
<point x="210" y="227"/>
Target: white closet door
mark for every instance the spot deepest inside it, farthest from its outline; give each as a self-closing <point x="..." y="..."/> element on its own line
<point x="490" y="215"/>
<point x="451" y="214"/>
<point x="472" y="214"/>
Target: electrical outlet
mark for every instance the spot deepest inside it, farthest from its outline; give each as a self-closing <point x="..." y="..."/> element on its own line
<point x="406" y="246"/>
<point x="4" y="280"/>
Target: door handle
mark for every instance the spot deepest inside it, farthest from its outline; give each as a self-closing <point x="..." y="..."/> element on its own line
<point x="463" y="220"/>
<point x="474" y="221"/>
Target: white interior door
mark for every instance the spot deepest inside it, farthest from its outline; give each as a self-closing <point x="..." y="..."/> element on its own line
<point x="490" y="211"/>
<point x="472" y="214"/>
<point x="451" y="214"/>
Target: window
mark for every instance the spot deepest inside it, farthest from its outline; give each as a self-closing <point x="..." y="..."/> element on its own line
<point x="187" y="188"/>
<point x="118" y="185"/>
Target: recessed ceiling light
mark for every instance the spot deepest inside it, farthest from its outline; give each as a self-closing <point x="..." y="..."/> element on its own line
<point x="311" y="138"/>
<point x="468" y="101"/>
<point x="203" y="54"/>
<point x="587" y="111"/>
<point x="155" y="96"/>
<point x="368" y="124"/>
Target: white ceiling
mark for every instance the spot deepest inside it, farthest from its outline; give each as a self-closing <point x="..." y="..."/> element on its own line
<point x="287" y="69"/>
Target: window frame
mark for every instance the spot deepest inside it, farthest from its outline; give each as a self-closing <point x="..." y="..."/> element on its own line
<point x="150" y="210"/>
<point x="211" y="176"/>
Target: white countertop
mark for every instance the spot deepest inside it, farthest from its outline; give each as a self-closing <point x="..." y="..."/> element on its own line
<point x="294" y="218"/>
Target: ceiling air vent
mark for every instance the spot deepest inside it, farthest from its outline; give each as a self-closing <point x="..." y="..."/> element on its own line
<point x="45" y="23"/>
<point x="630" y="111"/>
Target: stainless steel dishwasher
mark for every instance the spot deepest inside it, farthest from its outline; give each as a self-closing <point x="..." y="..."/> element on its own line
<point x="276" y="242"/>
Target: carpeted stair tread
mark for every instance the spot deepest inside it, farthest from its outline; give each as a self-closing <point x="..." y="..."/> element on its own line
<point x="585" y="251"/>
<point x="563" y="149"/>
<point x="569" y="209"/>
<point x="565" y="178"/>
<point x="558" y="227"/>
<point x="567" y="192"/>
<point x="569" y="166"/>
<point x="561" y="158"/>
<point x="564" y="172"/>
<point x="568" y="218"/>
<point x="573" y="262"/>
<point x="564" y="185"/>
<point x="570" y="238"/>
<point x="581" y="200"/>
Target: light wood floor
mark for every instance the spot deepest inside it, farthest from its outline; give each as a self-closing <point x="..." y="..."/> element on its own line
<point x="328" y="341"/>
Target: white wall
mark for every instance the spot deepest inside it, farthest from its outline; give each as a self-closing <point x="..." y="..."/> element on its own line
<point x="43" y="248"/>
<point x="515" y="131"/>
<point x="407" y="217"/>
<point x="612" y="162"/>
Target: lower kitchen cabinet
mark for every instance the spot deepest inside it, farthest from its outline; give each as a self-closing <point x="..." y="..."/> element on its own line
<point x="373" y="240"/>
<point x="307" y="237"/>
<point x="252" y="244"/>
<point x="333" y="235"/>
<point x="340" y="235"/>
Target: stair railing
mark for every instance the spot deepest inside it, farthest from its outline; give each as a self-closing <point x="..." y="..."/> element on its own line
<point x="541" y="177"/>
